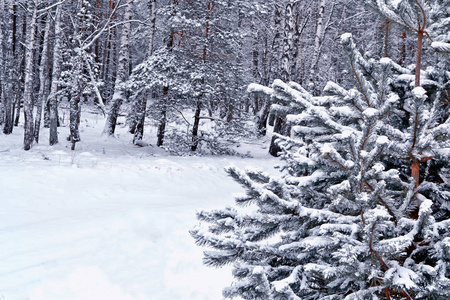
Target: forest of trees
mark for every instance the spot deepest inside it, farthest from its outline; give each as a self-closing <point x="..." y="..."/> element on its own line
<point x="168" y="61"/>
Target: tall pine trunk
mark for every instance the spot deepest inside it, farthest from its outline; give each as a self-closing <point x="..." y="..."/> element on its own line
<point x="199" y="105"/>
<point x="415" y="165"/>
<point x="163" y="112"/>
<point x="163" y="119"/>
<point x="195" y="127"/>
<point x="402" y="54"/>
<point x="122" y="72"/>
<point x="142" y="105"/>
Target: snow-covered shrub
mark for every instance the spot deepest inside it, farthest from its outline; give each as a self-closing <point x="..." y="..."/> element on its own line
<point x="350" y="217"/>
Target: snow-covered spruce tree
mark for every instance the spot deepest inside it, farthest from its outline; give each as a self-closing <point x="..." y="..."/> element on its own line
<point x="345" y="220"/>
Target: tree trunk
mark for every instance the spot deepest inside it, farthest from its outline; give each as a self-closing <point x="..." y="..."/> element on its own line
<point x="198" y="110"/>
<point x="152" y="11"/>
<point x="415" y="165"/>
<point x="274" y="149"/>
<point x="161" y="128"/>
<point x="98" y="15"/>
<point x="7" y="59"/>
<point x="317" y="43"/>
<point x="288" y="61"/>
<point x="419" y="56"/>
<point x="20" y="82"/>
<point x="290" y="43"/>
<point x="52" y="98"/>
<point x="263" y="115"/>
<point x="28" y="87"/>
<point x="76" y="91"/>
<point x="138" y="130"/>
<point x="275" y="66"/>
<point x="2" y="66"/>
<point x="43" y="78"/>
<point x="386" y="38"/>
<point x="256" y="74"/>
<point x="142" y="105"/>
<point x="402" y="48"/>
<point x="122" y="72"/>
<point x="162" y="121"/>
<point x="196" y="125"/>
<point x="75" y="114"/>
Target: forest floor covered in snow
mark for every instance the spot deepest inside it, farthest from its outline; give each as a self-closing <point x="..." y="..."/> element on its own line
<point x="109" y="220"/>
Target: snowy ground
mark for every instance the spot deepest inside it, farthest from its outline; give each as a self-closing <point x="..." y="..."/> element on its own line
<point x="109" y="220"/>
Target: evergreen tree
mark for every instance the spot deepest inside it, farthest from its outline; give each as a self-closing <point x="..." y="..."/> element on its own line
<point x="345" y="220"/>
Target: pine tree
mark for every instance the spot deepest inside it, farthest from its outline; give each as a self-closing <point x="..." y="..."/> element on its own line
<point x="345" y="220"/>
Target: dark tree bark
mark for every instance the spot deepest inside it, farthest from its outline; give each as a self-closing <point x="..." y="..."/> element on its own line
<point x="198" y="109"/>
<point x="142" y="105"/>
<point x="162" y="120"/>
<point x="122" y="72"/>
<point x="20" y="82"/>
<point x="195" y="140"/>
<point x="274" y="149"/>
<point x="7" y="83"/>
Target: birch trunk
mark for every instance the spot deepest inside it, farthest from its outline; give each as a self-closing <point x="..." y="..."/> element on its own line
<point x="288" y="64"/>
<point x="43" y="78"/>
<point x="28" y="87"/>
<point x="122" y="72"/>
<point x="18" y="89"/>
<point x="75" y="114"/>
<point x="288" y="59"/>
<point x="317" y="43"/>
<point x="52" y="98"/>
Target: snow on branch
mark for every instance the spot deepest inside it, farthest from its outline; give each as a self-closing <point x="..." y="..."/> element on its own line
<point x="258" y="88"/>
<point x="441" y="47"/>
